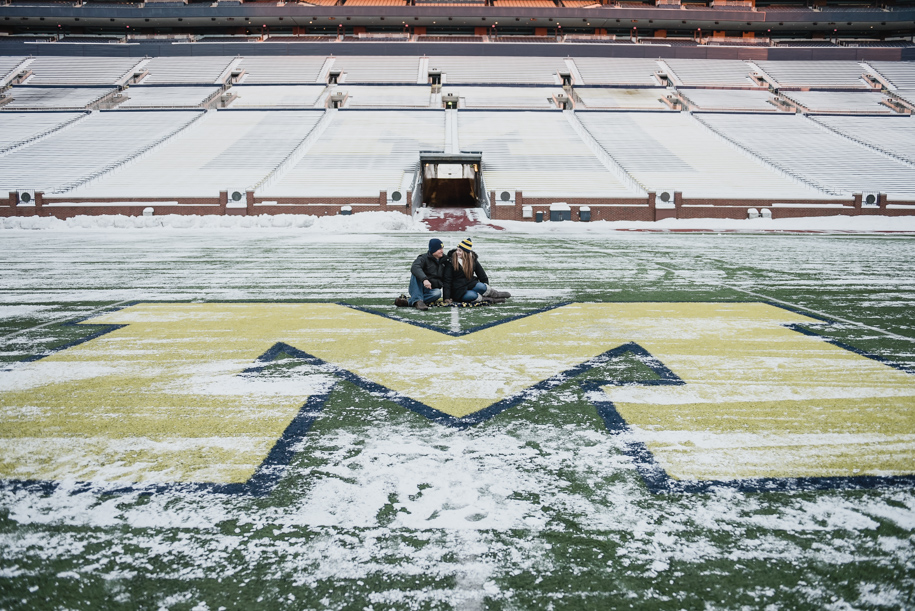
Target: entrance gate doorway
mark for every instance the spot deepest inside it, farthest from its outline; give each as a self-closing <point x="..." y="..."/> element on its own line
<point x="452" y="180"/>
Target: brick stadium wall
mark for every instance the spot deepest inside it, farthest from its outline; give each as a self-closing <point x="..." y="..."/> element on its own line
<point x="602" y="209"/>
<point x="644" y="209"/>
<point x="196" y="206"/>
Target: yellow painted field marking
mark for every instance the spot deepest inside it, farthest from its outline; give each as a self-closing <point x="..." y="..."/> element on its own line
<point x="160" y="400"/>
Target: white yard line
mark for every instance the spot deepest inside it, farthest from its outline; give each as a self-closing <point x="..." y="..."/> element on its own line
<point x="795" y="306"/>
<point x="64" y="319"/>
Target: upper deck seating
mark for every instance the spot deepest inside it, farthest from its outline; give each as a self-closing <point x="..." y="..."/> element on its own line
<point x="730" y="99"/>
<point x="378" y="69"/>
<point x="819" y="74"/>
<point x="503" y="97"/>
<point x="839" y="101"/>
<point x="597" y="97"/>
<point x="55" y="97"/>
<point x="201" y="70"/>
<point x="711" y="73"/>
<point x="166" y="97"/>
<point x="503" y="70"/>
<point x="276" y="96"/>
<point x="617" y="71"/>
<point x="384" y="96"/>
<point x="901" y="75"/>
<point x="52" y="70"/>
<point x="281" y="70"/>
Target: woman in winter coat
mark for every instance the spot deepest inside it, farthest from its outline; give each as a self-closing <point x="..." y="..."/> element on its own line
<point x="464" y="278"/>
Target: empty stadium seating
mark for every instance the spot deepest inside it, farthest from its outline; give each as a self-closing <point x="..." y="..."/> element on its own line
<point x="269" y="128"/>
<point x="362" y="153"/>
<point x="226" y="149"/>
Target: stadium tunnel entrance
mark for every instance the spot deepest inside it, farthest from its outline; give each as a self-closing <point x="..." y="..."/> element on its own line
<point x="452" y="180"/>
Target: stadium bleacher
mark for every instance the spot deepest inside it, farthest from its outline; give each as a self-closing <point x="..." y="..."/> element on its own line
<point x="537" y="153"/>
<point x="504" y="97"/>
<point x="188" y="70"/>
<point x="839" y="101"/>
<point x="659" y="151"/>
<point x="729" y="99"/>
<point x="703" y="73"/>
<point x="645" y="98"/>
<point x="374" y="69"/>
<point x="50" y="70"/>
<point x="799" y="147"/>
<point x="21" y="128"/>
<point x="276" y="96"/>
<point x="499" y="70"/>
<point x="617" y="71"/>
<point x="386" y="96"/>
<point x="282" y="70"/>
<point x="821" y="74"/>
<point x="87" y="148"/>
<point x="230" y="149"/>
<point x="892" y="135"/>
<point x="55" y="98"/>
<point x="361" y="153"/>
<point x="899" y="75"/>
<point x="167" y="97"/>
<point x="622" y="141"/>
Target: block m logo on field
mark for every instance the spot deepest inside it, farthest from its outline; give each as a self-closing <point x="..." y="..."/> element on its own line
<point x="170" y="395"/>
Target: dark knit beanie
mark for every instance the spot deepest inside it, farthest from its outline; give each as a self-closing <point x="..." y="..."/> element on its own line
<point x="435" y="244"/>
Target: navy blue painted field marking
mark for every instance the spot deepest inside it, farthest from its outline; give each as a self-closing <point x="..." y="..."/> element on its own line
<point x="656" y="479"/>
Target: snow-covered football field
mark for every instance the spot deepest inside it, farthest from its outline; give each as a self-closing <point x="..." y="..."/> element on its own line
<point x="716" y="418"/>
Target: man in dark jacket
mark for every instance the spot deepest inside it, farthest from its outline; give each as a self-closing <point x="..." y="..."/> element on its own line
<point x="426" y="276"/>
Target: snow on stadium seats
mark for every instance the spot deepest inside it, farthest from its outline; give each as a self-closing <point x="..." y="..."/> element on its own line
<point x="383" y="96"/>
<point x="48" y="70"/>
<point x="281" y="70"/>
<point x="894" y="135"/>
<point x="729" y="99"/>
<point x="276" y="96"/>
<point x="378" y="69"/>
<point x="91" y="146"/>
<point x="820" y="74"/>
<point x="672" y="151"/>
<point x="901" y="75"/>
<point x="711" y="73"/>
<point x="647" y="98"/>
<point x="362" y="153"/>
<point x="500" y="70"/>
<point x="800" y="147"/>
<point x="617" y="71"/>
<point x="55" y="97"/>
<point x="9" y="67"/>
<point x="839" y="101"/>
<point x="504" y="97"/>
<point x="201" y="70"/>
<point x="225" y="150"/>
<point x="167" y="97"/>
<point x="538" y="153"/>
<point x="19" y="128"/>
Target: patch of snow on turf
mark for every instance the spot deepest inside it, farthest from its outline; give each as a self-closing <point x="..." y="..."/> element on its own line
<point x="364" y="222"/>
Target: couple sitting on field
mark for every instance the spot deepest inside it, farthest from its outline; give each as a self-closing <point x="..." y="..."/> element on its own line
<point x="456" y="278"/>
